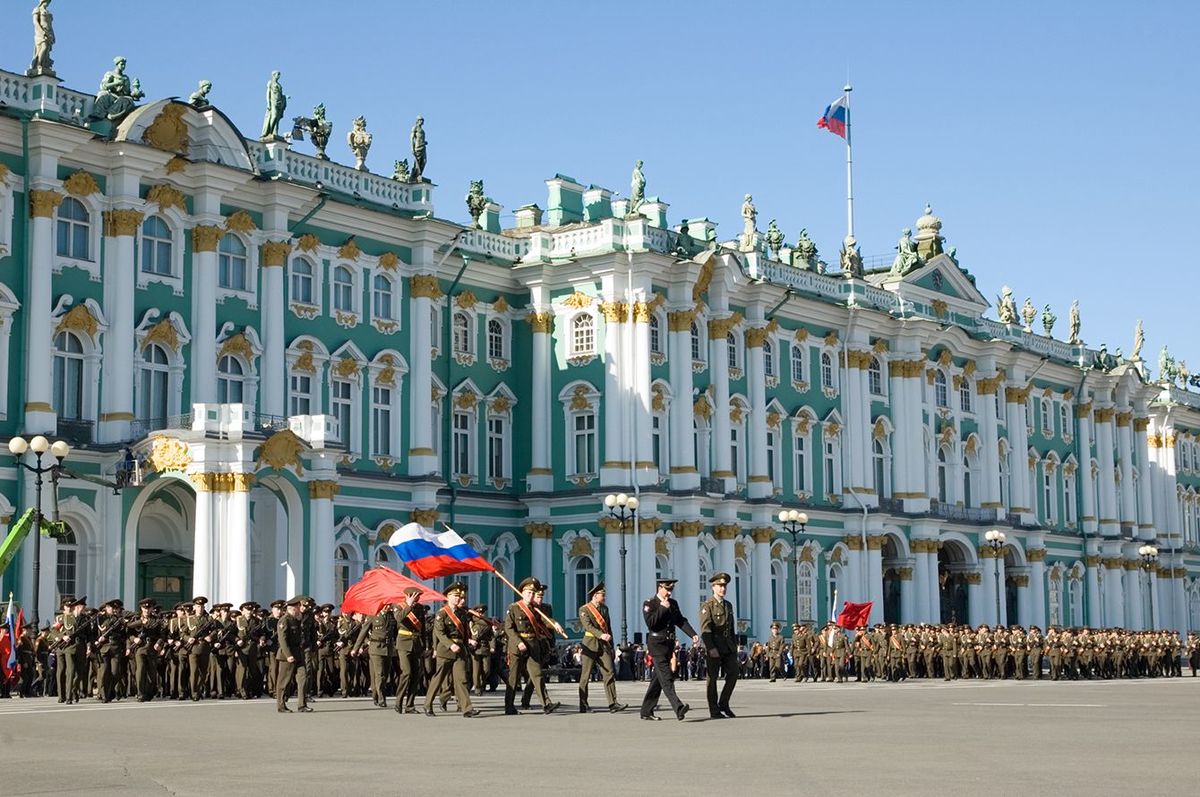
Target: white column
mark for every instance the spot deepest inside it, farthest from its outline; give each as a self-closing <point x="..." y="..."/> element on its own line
<point x="236" y="580"/>
<point x="1128" y="507"/>
<point x="273" y="378"/>
<point x="1141" y="448"/>
<point x="203" y="370"/>
<point x="863" y="439"/>
<point x="987" y="564"/>
<point x="874" y="586"/>
<point x="725" y="534"/>
<point x="425" y="290"/>
<point x="852" y="588"/>
<point x="918" y="593"/>
<point x="902" y="434"/>
<point x="1108" y="510"/>
<point x="204" y="568"/>
<point x="320" y="535"/>
<point x="37" y="306"/>
<point x="684" y="475"/>
<point x="540" y="552"/>
<point x="910" y="612"/>
<point x="976" y="600"/>
<point x="1178" y="621"/>
<point x="1018" y="448"/>
<point x="718" y="370"/>
<point x="540" y="477"/>
<point x="687" y="566"/>
<point x="647" y="559"/>
<point x="1083" y="475"/>
<point x="1024" y="601"/>
<point x="1135" y="612"/>
<point x="759" y="483"/>
<point x="639" y="362"/>
<point x="612" y="574"/>
<point x="1095" y="600"/>
<point x="933" y="587"/>
<point x="989" y="439"/>
<point x="614" y="469"/>
<point x="1037" y="586"/>
<point x="1114" y="603"/>
<point x="116" y="406"/>
<point x="760" y="580"/>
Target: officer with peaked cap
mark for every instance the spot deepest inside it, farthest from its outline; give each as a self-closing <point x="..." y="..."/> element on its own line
<point x="662" y="617"/>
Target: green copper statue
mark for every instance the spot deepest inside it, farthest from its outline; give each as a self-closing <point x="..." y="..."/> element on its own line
<point x="118" y="95"/>
<point x="276" y="105"/>
<point x="43" y="40"/>
<point x="1048" y="319"/>
<point x="805" y="254"/>
<point x="1074" y="339"/>
<point x="418" y="151"/>
<point x="637" y="188"/>
<point x="774" y="239"/>
<point x="476" y="201"/>
<point x="1028" y="314"/>
<point x="906" y="254"/>
<point x="851" y="259"/>
<point x="199" y="97"/>
<point x="400" y="170"/>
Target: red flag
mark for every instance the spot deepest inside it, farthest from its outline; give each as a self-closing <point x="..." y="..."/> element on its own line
<point x="380" y="586"/>
<point x="855" y="615"/>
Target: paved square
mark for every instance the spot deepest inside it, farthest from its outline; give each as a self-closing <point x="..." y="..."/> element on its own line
<point x="965" y="737"/>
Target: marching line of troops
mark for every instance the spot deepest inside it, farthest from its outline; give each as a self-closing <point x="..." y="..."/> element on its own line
<point x="407" y="648"/>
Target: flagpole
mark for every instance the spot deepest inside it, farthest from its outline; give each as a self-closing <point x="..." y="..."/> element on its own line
<point x="849" y="169"/>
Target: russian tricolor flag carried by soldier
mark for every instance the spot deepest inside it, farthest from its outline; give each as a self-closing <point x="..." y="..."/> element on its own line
<point x="431" y="555"/>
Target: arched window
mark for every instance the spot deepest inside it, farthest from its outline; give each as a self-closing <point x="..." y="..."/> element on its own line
<point x="583" y="336"/>
<point x="705" y="590"/>
<point x="941" y="395"/>
<point x="462" y="333"/>
<point x="495" y="340"/>
<point x="942" y="480"/>
<point x="1047" y="418"/>
<point x="343" y="573"/>
<point x="231" y="263"/>
<point x="826" y="370"/>
<point x="230" y="381"/>
<point x="1048" y="493"/>
<point x="1054" y="598"/>
<point x="798" y="371"/>
<point x="156" y="246"/>
<point x="875" y="377"/>
<point x="1005" y="495"/>
<point x="655" y="335"/>
<point x="583" y="576"/>
<point x="343" y="289"/>
<point x="1069" y="514"/>
<point x="697" y="348"/>
<point x="68" y="376"/>
<point x="153" y="386"/>
<point x="732" y="349"/>
<point x="768" y="358"/>
<point x="74" y="229"/>
<point x="964" y="395"/>
<point x="382" y="299"/>
<point x="968" y="492"/>
<point x="879" y="465"/>
<point x="302" y="281"/>
<point x="806" y="589"/>
<point x="741" y="589"/>
<point x="67" y="568"/>
<point x="778" y="589"/>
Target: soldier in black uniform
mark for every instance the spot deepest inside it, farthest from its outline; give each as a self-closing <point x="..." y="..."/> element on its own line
<point x="662" y="617"/>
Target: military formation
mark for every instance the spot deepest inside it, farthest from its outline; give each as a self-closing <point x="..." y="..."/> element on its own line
<point x="299" y="649"/>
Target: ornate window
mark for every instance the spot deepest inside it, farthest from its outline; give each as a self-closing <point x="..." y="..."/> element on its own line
<point x="806" y="589"/>
<point x="778" y="588"/>
<point x="68" y="376"/>
<point x="231" y="384"/>
<point x="1048" y="492"/>
<point x="302" y="281"/>
<point x="583" y="335"/>
<point x="463" y="336"/>
<point x="154" y="384"/>
<point x="341" y="393"/>
<point x="697" y="344"/>
<point x="1047" y="418"/>
<point x="1064" y="420"/>
<point x="826" y="370"/>
<point x="773" y="466"/>
<point x="831" y="470"/>
<point x="943" y="477"/>
<point x="583" y="433"/>
<point x="67" y="567"/>
<point x="800" y="475"/>
<point x="343" y="573"/>
<point x="300" y="393"/>
<point x="734" y="351"/>
<point x="658" y="442"/>
<point x="495" y="340"/>
<point x="875" y="377"/>
<point x="580" y="402"/>
<point x="965" y="402"/>
<point x="941" y="395"/>
<point x="656" y="346"/>
<point x="1054" y="597"/>
<point x="583" y="576"/>
<point x="232" y="263"/>
<point x="799" y="372"/>
<point x="768" y="350"/>
<point x="74" y="230"/>
<point x="382" y="305"/>
<point x="879" y="462"/>
<point x="381" y="421"/>
<point x="156" y="247"/>
<point x="497" y="450"/>
<point x="1069" y="513"/>
<point x="343" y="289"/>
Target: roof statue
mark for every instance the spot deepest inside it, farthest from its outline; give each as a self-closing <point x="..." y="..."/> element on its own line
<point x="1028" y="314"/>
<point x="1074" y="322"/>
<point x="400" y="170"/>
<point x="360" y="142"/>
<point x="276" y="105"/>
<point x="476" y="201"/>
<point x="1006" y="306"/>
<point x="1139" y="340"/>
<point x="43" y="40"/>
<point x="774" y="239"/>
<point x="804" y="255"/>
<point x="118" y="95"/>
<point x="851" y="260"/>
<point x="199" y="97"/>
<point x="907" y="258"/>
<point x="418" y="151"/>
<point x="1048" y="319"/>
<point x="637" y="188"/>
<point x="749" y="224"/>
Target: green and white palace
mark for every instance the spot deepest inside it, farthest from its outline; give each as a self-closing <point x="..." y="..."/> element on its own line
<point x="303" y="356"/>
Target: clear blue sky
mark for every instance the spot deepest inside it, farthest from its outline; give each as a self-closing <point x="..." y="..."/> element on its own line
<point x="1057" y="141"/>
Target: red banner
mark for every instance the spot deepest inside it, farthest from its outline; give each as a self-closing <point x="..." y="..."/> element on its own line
<point x="380" y="586"/>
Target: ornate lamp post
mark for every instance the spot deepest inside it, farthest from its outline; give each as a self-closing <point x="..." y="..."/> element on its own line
<point x="1149" y="556"/>
<point x="623" y="508"/>
<point x="39" y="446"/>
<point x="793" y="523"/>
<point x="995" y="540"/>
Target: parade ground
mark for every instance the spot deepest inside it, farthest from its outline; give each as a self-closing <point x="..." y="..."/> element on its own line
<point x="965" y="737"/>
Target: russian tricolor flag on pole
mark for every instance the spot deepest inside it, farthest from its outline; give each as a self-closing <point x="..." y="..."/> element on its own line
<point x="835" y="117"/>
<point x="8" y="646"/>
<point x="431" y="555"/>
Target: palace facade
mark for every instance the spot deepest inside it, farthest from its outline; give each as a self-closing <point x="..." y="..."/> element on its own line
<point x="302" y="357"/>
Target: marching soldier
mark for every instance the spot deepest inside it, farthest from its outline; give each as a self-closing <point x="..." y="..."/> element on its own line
<point x="379" y="634"/>
<point x="348" y="626"/>
<point x="597" y="650"/>
<point x="451" y="643"/>
<point x="199" y="633"/>
<point x="145" y="641"/>
<point x="947" y="643"/>
<point x="662" y="617"/>
<point x="72" y="647"/>
<point x="545" y="639"/>
<point x="775" y="648"/>
<point x="523" y="629"/>
<point x="110" y="643"/>
<point x="862" y="650"/>
<point x="290" y="637"/>
<point x="719" y="633"/>
<point x="481" y="655"/>
<point x="411" y="622"/>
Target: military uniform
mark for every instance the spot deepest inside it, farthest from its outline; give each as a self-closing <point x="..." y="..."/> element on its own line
<point x="289" y="634"/>
<point x="662" y="617"/>
<point x="597" y="650"/>
<point x="776" y="645"/>
<point x="481" y="655"/>
<point x="523" y="631"/>
<point x="110" y="645"/>
<point x="719" y="636"/>
<point x="72" y="649"/>
<point x="379" y="633"/>
<point x="451" y="642"/>
<point x="145" y="641"/>
<point x="347" y="630"/>
<point x="198" y="632"/>
<point x="411" y="622"/>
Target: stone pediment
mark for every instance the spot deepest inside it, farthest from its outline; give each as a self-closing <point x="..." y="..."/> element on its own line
<point x="178" y="128"/>
<point x="938" y="280"/>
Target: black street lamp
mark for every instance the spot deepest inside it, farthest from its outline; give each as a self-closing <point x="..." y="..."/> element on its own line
<point x="1149" y="556"/>
<point x="623" y="508"/>
<point x="995" y="540"/>
<point x="793" y="523"/>
<point x="39" y="446"/>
